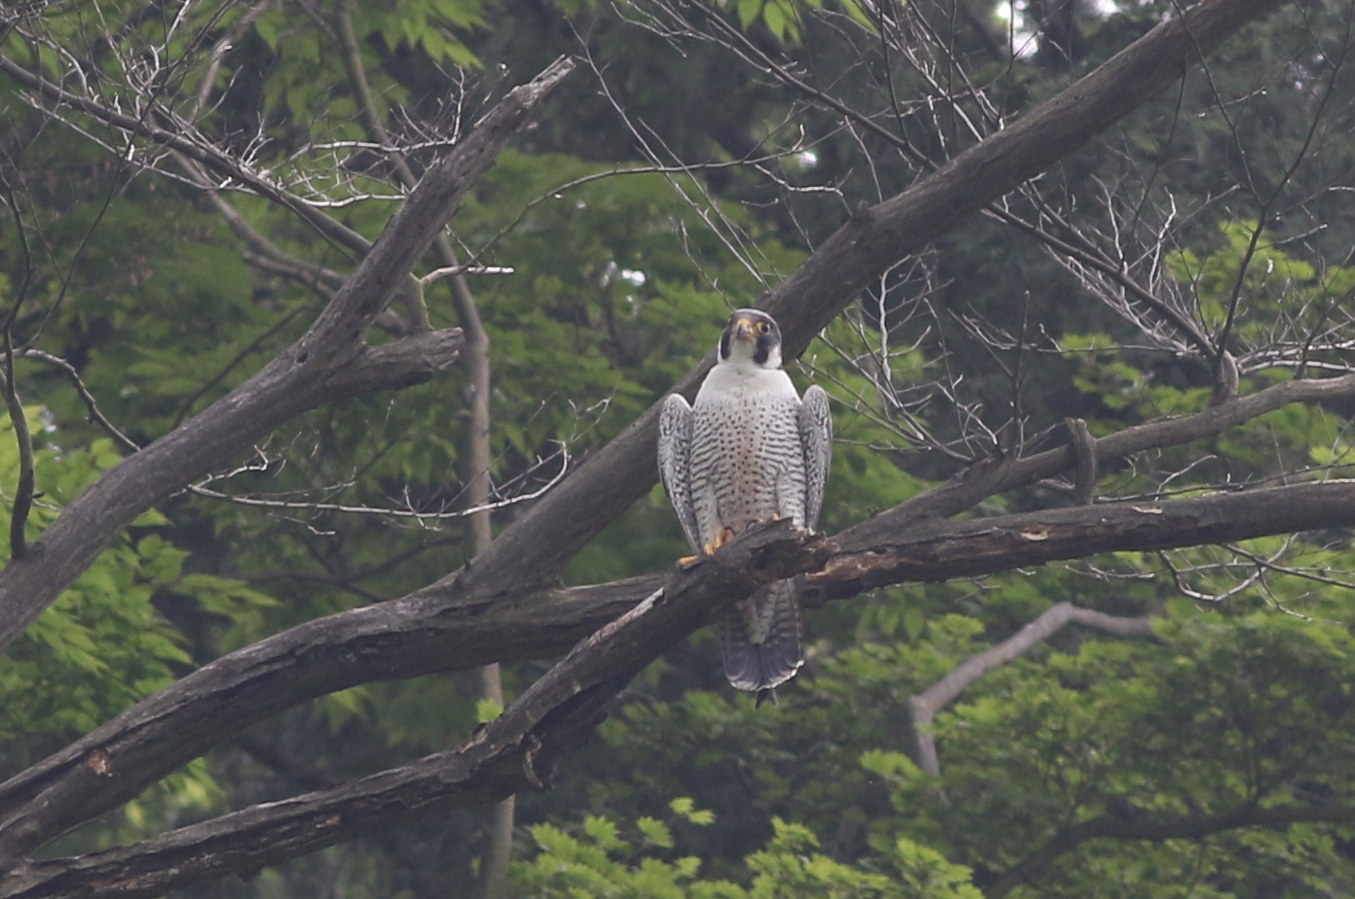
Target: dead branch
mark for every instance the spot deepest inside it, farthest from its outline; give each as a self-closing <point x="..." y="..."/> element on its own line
<point x="445" y="627"/>
<point x="328" y="363"/>
<point x="998" y="475"/>
<point x="440" y="631"/>
<point x="200" y="151"/>
<point x="924" y="706"/>
<point x="541" y="543"/>
<point x="515" y="752"/>
<point x="56" y="795"/>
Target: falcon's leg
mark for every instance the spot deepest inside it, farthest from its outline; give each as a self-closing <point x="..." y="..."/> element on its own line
<point x="708" y="550"/>
<point x="720" y="540"/>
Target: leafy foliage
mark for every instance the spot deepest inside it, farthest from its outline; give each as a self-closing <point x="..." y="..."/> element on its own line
<point x="622" y="268"/>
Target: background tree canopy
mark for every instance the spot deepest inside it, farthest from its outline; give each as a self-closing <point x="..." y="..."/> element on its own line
<point x="333" y="334"/>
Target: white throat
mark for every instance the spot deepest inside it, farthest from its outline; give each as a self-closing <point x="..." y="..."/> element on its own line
<point x="741" y="355"/>
<point x="743" y="377"/>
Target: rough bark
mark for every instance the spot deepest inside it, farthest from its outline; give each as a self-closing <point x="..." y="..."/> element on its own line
<point x="118" y="760"/>
<point x="513" y="753"/>
<point x="325" y="364"/>
<point x="516" y="751"/>
<point x="445" y="627"/>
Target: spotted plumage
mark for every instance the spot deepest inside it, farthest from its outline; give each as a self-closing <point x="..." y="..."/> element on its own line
<point x="749" y="450"/>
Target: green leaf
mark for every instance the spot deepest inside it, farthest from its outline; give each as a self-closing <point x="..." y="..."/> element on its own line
<point x="486" y="710"/>
<point x="655" y="833"/>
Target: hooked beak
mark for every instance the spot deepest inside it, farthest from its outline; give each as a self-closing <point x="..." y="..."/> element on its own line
<point x="744" y="330"/>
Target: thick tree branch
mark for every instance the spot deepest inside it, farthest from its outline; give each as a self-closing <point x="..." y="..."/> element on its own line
<point x="447" y="627"/>
<point x="541" y="543"/>
<point x="513" y="753"/>
<point x="425" y="632"/>
<point x="63" y="792"/>
<point x="924" y="706"/>
<point x="998" y="475"/>
<point x="329" y="362"/>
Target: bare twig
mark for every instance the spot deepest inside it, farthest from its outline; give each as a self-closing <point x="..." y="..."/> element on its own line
<point x="329" y="362"/>
<point x="486" y="505"/>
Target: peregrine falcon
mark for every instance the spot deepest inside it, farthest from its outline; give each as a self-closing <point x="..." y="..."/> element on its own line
<point x="749" y="450"/>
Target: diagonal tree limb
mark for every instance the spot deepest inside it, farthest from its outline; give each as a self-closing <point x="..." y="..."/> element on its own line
<point x="439" y="629"/>
<point x="541" y="543"/>
<point x="57" y="795"/>
<point x="330" y="361"/>
<point x="419" y="634"/>
<point x="924" y="706"/>
<point x="536" y="547"/>
<point x="515" y="752"/>
<point x="999" y="475"/>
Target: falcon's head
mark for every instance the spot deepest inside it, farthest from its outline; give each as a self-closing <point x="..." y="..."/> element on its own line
<point x="751" y="336"/>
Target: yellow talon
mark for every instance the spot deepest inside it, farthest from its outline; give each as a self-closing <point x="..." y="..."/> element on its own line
<point x="707" y="550"/>
<point x="720" y="540"/>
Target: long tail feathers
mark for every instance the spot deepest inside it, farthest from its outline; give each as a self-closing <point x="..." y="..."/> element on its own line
<point x="760" y="639"/>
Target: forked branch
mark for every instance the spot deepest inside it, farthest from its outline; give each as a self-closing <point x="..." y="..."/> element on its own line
<point x="329" y="362"/>
<point x="924" y="706"/>
<point x="423" y="633"/>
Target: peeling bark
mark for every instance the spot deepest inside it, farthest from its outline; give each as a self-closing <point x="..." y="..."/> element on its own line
<point x="386" y="641"/>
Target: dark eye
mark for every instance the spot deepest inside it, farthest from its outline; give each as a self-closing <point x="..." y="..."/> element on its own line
<point x="763" y="327"/>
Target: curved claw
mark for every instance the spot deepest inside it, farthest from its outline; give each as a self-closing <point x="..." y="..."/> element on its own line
<point x="708" y="550"/>
<point x="720" y="540"/>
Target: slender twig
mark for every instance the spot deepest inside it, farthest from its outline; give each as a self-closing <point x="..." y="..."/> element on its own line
<point x="1254" y="243"/>
<point x="418" y="514"/>
<point x="91" y="405"/>
<point x="210" y="157"/>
